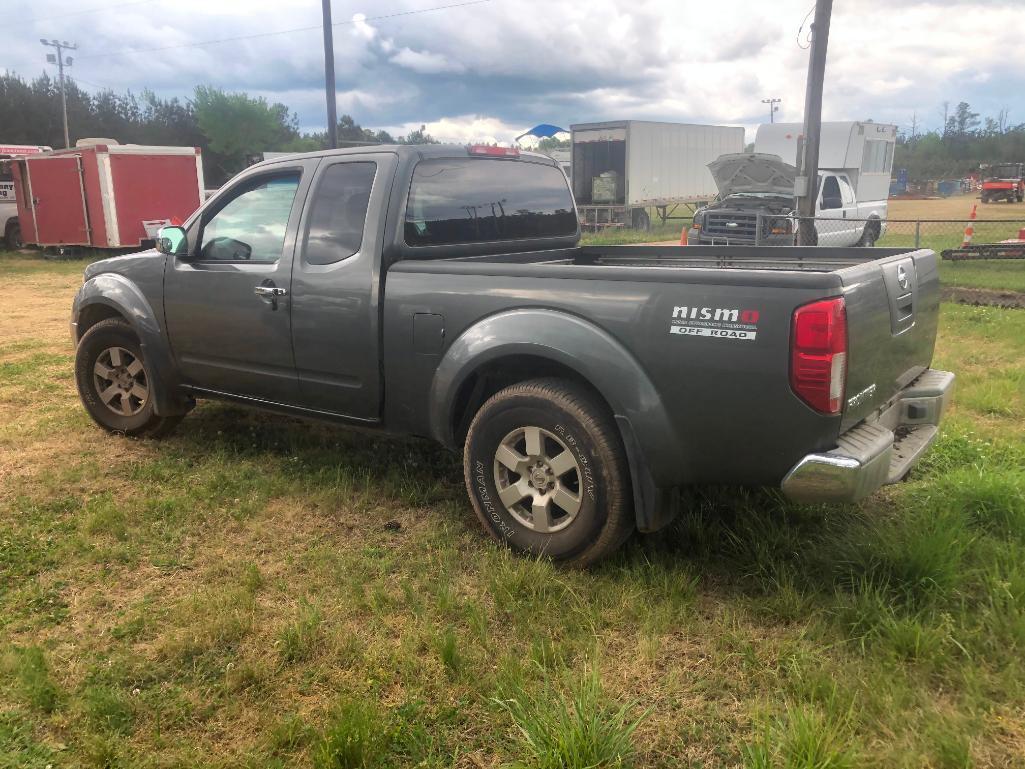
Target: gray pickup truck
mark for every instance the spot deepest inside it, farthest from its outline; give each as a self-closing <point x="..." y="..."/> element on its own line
<point x="440" y="291"/>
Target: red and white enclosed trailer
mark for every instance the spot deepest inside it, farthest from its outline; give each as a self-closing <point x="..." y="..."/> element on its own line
<point x="105" y="195"/>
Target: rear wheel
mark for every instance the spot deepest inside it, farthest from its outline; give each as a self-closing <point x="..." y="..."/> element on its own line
<point x="114" y="383"/>
<point x="640" y="220"/>
<point x="547" y="474"/>
<point x="13" y="237"/>
<point x="869" y="236"/>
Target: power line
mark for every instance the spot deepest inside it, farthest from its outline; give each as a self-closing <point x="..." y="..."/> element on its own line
<point x="202" y="43"/>
<point x="76" y="80"/>
<point x="87" y="10"/>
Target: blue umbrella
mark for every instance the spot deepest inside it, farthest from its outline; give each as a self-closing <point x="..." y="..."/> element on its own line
<point x="542" y="131"/>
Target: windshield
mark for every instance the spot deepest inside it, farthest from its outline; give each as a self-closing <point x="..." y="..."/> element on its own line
<point x="1005" y="171"/>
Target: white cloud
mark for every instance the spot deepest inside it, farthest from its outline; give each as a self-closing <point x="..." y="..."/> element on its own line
<point x="425" y="62"/>
<point x="465" y="129"/>
<point x="518" y="65"/>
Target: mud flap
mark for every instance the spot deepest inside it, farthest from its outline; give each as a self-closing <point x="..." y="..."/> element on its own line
<point x="654" y="508"/>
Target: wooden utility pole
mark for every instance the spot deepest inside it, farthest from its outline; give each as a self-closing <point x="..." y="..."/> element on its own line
<point x="329" y="76"/>
<point x="807" y="187"/>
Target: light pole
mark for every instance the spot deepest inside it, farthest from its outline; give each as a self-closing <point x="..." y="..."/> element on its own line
<point x="61" y="63"/>
<point x="773" y="109"/>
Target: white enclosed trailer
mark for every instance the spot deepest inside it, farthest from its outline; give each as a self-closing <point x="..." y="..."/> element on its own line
<point x="622" y="168"/>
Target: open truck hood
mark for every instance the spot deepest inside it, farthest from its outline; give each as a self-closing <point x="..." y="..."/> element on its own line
<point x="752" y="172"/>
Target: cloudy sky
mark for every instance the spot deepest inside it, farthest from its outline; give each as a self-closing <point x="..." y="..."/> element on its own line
<point x="490" y="69"/>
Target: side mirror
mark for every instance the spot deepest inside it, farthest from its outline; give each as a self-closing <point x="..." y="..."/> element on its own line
<point x="172" y="241"/>
<point x="831" y="203"/>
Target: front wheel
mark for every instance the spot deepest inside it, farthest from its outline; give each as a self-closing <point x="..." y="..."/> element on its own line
<point x="547" y="474"/>
<point x="114" y="383"/>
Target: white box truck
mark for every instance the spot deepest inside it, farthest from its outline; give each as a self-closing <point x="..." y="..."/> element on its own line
<point x="755" y="201"/>
<point x="622" y="168"/>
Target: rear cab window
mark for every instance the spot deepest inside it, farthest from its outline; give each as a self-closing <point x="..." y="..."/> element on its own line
<point x="339" y="212"/>
<point x="475" y="200"/>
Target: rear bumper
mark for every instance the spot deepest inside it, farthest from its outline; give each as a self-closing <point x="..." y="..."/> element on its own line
<point x="875" y="452"/>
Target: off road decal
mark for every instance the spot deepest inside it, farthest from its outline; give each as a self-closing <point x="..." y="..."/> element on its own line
<point x="719" y="322"/>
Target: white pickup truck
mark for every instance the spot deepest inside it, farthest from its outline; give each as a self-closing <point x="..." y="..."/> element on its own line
<point x="756" y="202"/>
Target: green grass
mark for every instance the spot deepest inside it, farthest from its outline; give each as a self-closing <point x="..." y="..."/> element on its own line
<point x="613" y="236"/>
<point x="574" y="729"/>
<point x="232" y="596"/>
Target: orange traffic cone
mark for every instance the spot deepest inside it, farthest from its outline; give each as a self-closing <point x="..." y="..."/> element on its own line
<point x="970" y="229"/>
<point x="683" y="236"/>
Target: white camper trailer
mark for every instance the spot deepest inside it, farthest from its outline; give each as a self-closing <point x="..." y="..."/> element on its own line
<point x="862" y="151"/>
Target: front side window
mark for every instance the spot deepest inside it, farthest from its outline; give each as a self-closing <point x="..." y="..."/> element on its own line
<point x="251" y="226"/>
<point x="476" y="200"/>
<point x="339" y="212"/>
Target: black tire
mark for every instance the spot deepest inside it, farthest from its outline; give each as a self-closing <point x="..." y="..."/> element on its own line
<point x="94" y="353"/>
<point x="569" y="419"/>
<point x="869" y="236"/>
<point x="639" y="219"/>
<point x="13" y="239"/>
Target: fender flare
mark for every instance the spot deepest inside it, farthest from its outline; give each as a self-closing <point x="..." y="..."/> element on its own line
<point x="122" y="295"/>
<point x="600" y="359"/>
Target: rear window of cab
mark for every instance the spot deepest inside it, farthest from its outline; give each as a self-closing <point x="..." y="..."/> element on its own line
<point x="475" y="200"/>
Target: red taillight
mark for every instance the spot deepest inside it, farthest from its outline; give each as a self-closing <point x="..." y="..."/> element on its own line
<point x="496" y="152"/>
<point x="818" y="354"/>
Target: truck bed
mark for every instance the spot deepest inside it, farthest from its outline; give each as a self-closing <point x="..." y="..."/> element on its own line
<point x="731" y="398"/>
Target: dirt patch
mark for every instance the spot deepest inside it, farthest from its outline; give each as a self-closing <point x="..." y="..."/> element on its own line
<point x="984" y="297"/>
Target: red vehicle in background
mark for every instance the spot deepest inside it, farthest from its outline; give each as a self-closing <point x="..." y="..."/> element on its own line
<point x="10" y="231"/>
<point x="1004" y="181"/>
<point x="102" y="194"/>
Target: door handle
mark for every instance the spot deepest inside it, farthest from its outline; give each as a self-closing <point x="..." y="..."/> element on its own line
<point x="270" y="291"/>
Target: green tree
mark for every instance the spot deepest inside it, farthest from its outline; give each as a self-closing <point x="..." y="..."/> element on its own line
<point x="419" y="136"/>
<point x="549" y="143"/>
<point x="236" y="125"/>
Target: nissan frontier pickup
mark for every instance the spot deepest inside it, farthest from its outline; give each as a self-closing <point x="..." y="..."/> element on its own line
<point x="440" y="291"/>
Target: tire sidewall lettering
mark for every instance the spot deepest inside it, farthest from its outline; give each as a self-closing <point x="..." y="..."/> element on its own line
<point x="587" y="480"/>
<point x="487" y="505"/>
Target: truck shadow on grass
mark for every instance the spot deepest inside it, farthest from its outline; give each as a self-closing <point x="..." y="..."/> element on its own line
<point x="901" y="554"/>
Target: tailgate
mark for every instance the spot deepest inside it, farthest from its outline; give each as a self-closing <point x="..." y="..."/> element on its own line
<point x="892" y="315"/>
